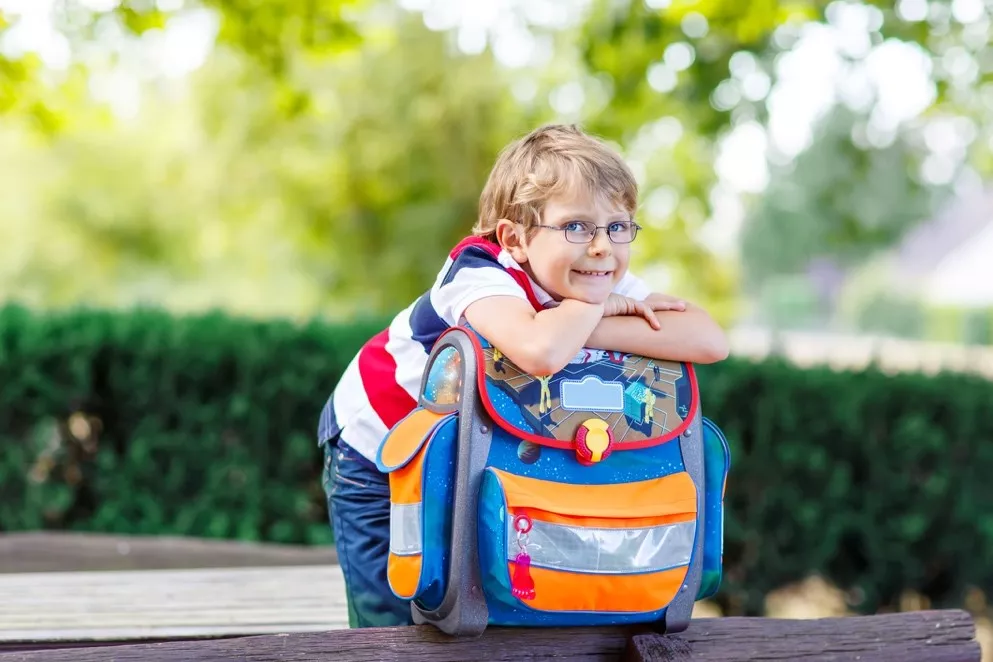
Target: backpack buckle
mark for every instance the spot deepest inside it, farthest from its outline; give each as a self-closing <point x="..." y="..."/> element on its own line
<point x="594" y="441"/>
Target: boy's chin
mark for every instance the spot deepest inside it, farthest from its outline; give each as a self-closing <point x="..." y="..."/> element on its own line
<point x="586" y="296"/>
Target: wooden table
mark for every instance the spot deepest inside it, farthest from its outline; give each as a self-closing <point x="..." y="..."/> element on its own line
<point x="61" y="551"/>
<point x="909" y="637"/>
<point x="291" y="602"/>
<point x="168" y="604"/>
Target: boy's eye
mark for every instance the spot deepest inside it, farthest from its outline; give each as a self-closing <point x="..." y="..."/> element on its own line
<point x="577" y="226"/>
<point x="619" y="226"/>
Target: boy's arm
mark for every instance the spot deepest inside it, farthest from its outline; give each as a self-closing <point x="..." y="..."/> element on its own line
<point x="689" y="335"/>
<point x="539" y="343"/>
<point x="543" y="343"/>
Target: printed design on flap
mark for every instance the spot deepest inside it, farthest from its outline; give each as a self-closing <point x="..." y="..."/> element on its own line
<point x="591" y="394"/>
<point x="639" y="398"/>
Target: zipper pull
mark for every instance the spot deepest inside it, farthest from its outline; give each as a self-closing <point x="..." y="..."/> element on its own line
<point x="521" y="583"/>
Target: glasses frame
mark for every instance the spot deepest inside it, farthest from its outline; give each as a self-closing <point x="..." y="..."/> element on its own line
<point x="596" y="229"/>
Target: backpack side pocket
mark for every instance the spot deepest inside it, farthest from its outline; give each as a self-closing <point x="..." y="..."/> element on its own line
<point x="419" y="456"/>
<point x="717" y="462"/>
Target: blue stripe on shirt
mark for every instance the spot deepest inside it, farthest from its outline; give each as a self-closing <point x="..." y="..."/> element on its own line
<point x="425" y="324"/>
<point x="473" y="257"/>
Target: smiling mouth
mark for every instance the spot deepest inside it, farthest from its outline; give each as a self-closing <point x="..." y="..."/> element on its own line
<point x="593" y="273"/>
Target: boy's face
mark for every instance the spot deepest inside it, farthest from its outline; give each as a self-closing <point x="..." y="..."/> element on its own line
<point x="584" y="271"/>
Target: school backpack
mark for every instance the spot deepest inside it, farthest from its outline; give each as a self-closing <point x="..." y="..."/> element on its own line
<point x="593" y="496"/>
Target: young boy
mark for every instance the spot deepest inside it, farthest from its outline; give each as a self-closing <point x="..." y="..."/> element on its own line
<point x="545" y="274"/>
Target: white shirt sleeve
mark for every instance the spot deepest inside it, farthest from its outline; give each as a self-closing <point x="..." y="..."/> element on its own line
<point x="473" y="275"/>
<point x="632" y="286"/>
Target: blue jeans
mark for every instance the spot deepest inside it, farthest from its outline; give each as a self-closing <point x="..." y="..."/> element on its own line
<point x="358" y="497"/>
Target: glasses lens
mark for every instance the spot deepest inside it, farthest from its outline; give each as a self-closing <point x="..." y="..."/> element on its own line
<point x="622" y="233"/>
<point x="579" y="232"/>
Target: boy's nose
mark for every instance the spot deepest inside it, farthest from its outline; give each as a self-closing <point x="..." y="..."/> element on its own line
<point x="600" y="245"/>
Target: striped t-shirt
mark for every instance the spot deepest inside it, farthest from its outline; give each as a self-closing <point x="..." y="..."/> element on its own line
<point x="381" y="384"/>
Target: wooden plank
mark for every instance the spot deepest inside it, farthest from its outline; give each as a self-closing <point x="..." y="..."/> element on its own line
<point x="645" y="647"/>
<point x="52" y="551"/>
<point x="119" y="605"/>
<point x="931" y="636"/>
<point x="908" y="637"/>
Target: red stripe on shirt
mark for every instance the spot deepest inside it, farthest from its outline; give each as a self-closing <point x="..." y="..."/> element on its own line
<point x="487" y="245"/>
<point x="525" y="283"/>
<point x="378" y="369"/>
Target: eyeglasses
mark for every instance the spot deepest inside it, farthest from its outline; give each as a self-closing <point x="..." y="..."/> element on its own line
<point x="583" y="232"/>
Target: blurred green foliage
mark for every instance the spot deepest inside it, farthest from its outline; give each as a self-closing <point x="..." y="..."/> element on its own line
<point x="858" y="187"/>
<point x="327" y="155"/>
<point x="833" y="201"/>
<point x="225" y="199"/>
<point x="206" y="426"/>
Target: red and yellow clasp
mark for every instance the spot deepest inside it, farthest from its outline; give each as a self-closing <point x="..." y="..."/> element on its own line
<point x="594" y="441"/>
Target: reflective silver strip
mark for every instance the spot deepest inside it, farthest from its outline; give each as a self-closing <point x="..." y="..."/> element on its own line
<point x="605" y="551"/>
<point x="405" y="528"/>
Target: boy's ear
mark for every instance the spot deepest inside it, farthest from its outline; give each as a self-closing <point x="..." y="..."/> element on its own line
<point x="510" y="236"/>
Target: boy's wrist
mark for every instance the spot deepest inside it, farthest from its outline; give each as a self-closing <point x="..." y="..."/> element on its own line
<point x="578" y="304"/>
<point x="581" y="303"/>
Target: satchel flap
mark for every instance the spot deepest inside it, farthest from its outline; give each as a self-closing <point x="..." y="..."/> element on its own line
<point x="642" y="401"/>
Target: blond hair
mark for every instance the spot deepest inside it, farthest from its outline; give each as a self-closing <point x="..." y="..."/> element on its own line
<point x="552" y="160"/>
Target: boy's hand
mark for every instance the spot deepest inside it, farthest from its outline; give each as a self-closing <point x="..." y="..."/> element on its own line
<point x="616" y="305"/>
<point x="659" y="301"/>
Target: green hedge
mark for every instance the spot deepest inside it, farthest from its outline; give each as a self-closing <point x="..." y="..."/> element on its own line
<point x="205" y="426"/>
<point x="199" y="426"/>
<point x="881" y="483"/>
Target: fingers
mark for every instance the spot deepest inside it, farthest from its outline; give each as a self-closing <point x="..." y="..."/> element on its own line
<point x="665" y="302"/>
<point x="675" y="304"/>
<point x="622" y="305"/>
<point x="649" y="314"/>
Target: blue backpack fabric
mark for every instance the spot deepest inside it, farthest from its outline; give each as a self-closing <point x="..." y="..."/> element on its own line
<point x="589" y="497"/>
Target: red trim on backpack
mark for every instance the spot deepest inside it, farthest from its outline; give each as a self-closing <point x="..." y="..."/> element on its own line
<point x="567" y="445"/>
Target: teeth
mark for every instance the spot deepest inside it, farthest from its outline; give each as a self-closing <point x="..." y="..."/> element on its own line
<point x="594" y="273"/>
